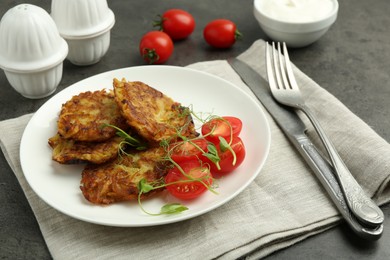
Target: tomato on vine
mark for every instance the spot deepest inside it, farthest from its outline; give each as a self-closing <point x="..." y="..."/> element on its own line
<point x="156" y="47"/>
<point x="177" y="23"/>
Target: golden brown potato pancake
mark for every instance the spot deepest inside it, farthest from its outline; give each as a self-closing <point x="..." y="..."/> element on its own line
<point x="117" y="180"/>
<point x="68" y="151"/>
<point x="152" y="114"/>
<point x="82" y="117"/>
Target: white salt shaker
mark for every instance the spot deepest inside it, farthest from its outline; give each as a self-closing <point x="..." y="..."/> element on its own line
<point x="86" y="26"/>
<point x="31" y="51"/>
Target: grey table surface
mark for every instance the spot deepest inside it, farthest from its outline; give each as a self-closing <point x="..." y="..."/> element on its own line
<point x="352" y="61"/>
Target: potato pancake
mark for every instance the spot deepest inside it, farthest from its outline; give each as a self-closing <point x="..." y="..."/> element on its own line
<point x="152" y="114"/>
<point x="82" y="117"/>
<point x="117" y="180"/>
<point x="67" y="151"/>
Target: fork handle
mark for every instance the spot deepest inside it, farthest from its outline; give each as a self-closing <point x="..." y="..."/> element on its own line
<point x="325" y="174"/>
<point x="359" y="203"/>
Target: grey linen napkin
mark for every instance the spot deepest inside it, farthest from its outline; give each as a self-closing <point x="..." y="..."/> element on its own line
<point x="285" y="203"/>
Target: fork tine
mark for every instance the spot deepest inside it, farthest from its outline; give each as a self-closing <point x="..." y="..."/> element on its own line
<point x="282" y="66"/>
<point x="270" y="73"/>
<point x="276" y="63"/>
<point x="289" y="70"/>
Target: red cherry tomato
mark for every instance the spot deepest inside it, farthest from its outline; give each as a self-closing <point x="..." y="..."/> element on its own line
<point x="177" y="23"/>
<point x="183" y="188"/>
<point x="156" y="47"/>
<point x="226" y="127"/>
<point x="188" y="150"/>
<point x="226" y="158"/>
<point x="221" y="33"/>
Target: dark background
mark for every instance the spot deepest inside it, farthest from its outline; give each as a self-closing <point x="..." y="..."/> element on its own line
<point x="351" y="61"/>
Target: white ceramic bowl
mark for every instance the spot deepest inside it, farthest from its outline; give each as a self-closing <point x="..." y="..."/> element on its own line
<point x="31" y="51"/>
<point x="289" y="21"/>
<point x="86" y="26"/>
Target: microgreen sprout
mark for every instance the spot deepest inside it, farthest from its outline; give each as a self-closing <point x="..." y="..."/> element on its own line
<point x="170" y="208"/>
<point x="128" y="139"/>
<point x="224" y="145"/>
<point x="185" y="111"/>
<point x="212" y="155"/>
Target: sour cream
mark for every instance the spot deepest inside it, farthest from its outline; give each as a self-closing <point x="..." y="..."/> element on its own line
<point x="296" y="11"/>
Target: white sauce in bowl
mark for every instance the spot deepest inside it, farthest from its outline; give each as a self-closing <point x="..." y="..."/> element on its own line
<point x="296" y="11"/>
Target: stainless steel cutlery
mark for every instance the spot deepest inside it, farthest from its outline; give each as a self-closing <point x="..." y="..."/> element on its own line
<point x="359" y="211"/>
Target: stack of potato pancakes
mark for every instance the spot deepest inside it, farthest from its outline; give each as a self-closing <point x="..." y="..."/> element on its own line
<point x="86" y="135"/>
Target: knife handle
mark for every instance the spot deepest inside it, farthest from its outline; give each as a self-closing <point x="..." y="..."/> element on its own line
<point x="325" y="174"/>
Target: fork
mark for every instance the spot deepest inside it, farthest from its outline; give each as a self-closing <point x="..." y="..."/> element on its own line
<point x="286" y="91"/>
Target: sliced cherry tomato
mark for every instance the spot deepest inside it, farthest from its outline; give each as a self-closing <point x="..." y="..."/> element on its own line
<point x="226" y="158"/>
<point x="226" y="127"/>
<point x="156" y="47"/>
<point x="186" y="189"/>
<point x="221" y="33"/>
<point x="177" y="23"/>
<point x="188" y="150"/>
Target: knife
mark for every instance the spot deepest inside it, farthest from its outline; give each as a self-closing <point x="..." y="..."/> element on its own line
<point x="294" y="129"/>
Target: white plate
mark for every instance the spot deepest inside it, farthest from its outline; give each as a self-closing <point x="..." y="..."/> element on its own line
<point x="58" y="185"/>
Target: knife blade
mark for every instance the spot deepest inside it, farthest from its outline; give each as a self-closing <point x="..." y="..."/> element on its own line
<point x="295" y="129"/>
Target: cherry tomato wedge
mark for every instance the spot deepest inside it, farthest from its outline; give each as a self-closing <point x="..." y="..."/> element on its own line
<point x="177" y="23"/>
<point x="226" y="127"/>
<point x="221" y="33"/>
<point x="188" y="150"/>
<point x="156" y="47"/>
<point x="226" y="158"/>
<point x="182" y="187"/>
